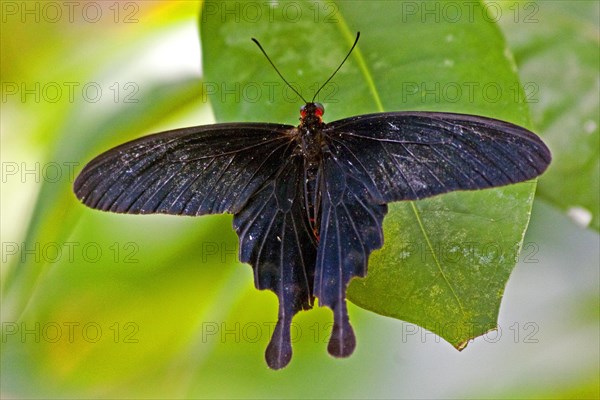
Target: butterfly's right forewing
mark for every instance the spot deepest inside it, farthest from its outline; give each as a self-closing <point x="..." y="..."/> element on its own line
<point x="415" y="155"/>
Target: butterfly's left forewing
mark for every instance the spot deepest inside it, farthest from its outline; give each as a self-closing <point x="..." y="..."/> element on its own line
<point x="191" y="171"/>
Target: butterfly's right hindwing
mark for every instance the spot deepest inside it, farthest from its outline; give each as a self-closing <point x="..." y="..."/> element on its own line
<point x="350" y="229"/>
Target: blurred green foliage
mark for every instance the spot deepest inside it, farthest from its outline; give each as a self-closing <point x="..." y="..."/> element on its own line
<point x="558" y="64"/>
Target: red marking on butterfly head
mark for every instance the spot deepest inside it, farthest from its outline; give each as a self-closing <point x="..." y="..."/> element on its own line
<point x="312" y="111"/>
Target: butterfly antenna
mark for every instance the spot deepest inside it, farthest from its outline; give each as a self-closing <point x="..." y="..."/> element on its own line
<point x="276" y="70"/>
<point x="338" y="68"/>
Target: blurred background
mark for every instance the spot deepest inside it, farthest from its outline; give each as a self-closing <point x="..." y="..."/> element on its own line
<point x="96" y="305"/>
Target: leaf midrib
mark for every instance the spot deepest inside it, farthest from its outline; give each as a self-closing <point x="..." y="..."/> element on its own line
<point x="345" y="30"/>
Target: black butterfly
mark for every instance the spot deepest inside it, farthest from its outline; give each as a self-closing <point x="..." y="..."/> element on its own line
<point x="309" y="201"/>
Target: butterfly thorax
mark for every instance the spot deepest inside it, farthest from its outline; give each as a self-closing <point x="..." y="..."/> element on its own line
<point x="310" y="129"/>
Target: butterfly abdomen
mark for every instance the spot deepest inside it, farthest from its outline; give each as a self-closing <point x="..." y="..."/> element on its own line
<point x="312" y="195"/>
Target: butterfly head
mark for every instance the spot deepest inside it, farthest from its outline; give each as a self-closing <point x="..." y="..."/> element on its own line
<point x="311" y="113"/>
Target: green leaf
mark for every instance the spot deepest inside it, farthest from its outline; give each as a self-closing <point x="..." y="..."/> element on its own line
<point x="556" y="48"/>
<point x="446" y="260"/>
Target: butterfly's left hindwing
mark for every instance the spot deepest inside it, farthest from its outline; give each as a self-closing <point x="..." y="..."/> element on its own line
<point x="277" y="240"/>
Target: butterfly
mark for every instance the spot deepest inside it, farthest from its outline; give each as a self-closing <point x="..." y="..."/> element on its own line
<point x="308" y="201"/>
